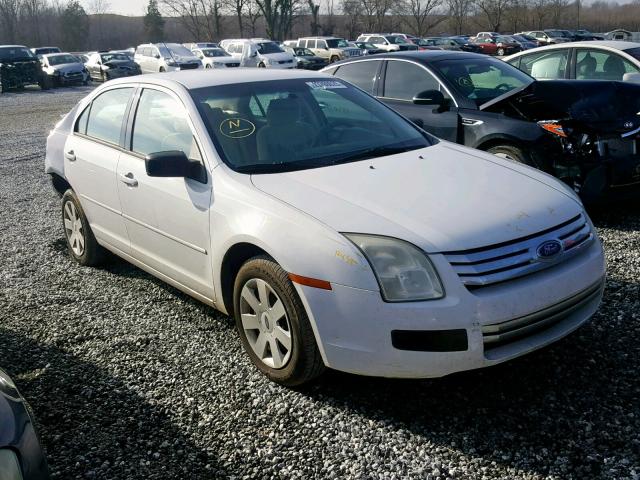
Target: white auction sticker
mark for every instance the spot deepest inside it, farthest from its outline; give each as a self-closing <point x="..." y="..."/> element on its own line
<point x="326" y="85"/>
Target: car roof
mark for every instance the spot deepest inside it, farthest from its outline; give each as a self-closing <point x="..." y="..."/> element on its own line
<point x="421" y="55"/>
<point x="193" y="79"/>
<point x="606" y="44"/>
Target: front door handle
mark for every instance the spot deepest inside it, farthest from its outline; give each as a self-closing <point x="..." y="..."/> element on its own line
<point x="70" y="155"/>
<point x="128" y="179"/>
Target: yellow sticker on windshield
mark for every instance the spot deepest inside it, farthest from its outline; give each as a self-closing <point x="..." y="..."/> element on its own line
<point x="237" y="128"/>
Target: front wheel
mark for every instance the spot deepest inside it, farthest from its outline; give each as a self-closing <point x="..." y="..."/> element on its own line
<point x="334" y="58"/>
<point x="501" y="52"/>
<point x="511" y="152"/>
<point x="81" y="242"/>
<point x="273" y="325"/>
<point x="262" y="65"/>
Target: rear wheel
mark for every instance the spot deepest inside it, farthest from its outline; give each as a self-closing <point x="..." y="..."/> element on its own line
<point x="273" y="325"/>
<point x="262" y="65"/>
<point x="501" y="52"/>
<point x="81" y="242"/>
<point x="334" y="58"/>
<point x="162" y="70"/>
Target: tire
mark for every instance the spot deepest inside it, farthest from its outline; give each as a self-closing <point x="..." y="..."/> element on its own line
<point x="299" y="360"/>
<point x="45" y="82"/>
<point x="262" y="65"/>
<point x="513" y="153"/>
<point x="84" y="248"/>
<point x="501" y="52"/>
<point x="207" y="66"/>
<point x="334" y="58"/>
<point x="162" y="70"/>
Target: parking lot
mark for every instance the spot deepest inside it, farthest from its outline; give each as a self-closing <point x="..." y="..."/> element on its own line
<point x="129" y="378"/>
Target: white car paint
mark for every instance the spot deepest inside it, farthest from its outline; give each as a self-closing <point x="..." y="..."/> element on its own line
<point x="610" y="46"/>
<point x="223" y="61"/>
<point x="248" y="52"/>
<point x="442" y="198"/>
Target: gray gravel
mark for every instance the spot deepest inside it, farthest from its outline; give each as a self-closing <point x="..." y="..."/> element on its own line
<point x="131" y="379"/>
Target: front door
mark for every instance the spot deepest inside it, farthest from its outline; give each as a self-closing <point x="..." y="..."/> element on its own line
<point x="403" y="80"/>
<point x="167" y="218"/>
<point x="90" y="164"/>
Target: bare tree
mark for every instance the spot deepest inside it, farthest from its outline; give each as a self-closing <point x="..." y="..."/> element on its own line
<point x="253" y="15"/>
<point x="238" y="7"/>
<point x="420" y="16"/>
<point x="351" y="15"/>
<point x="278" y="16"/>
<point x="314" y="8"/>
<point x="493" y="11"/>
<point x="375" y="12"/>
<point x="458" y="12"/>
<point x="9" y="10"/>
<point x="201" y="18"/>
<point x="33" y="11"/>
<point x="540" y="11"/>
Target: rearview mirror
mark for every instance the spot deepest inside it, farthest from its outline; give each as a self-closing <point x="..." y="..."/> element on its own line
<point x="174" y="163"/>
<point x="157" y="55"/>
<point x="429" y="97"/>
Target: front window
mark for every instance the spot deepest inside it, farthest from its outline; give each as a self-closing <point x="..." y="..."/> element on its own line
<point x="14" y="53"/>
<point x="62" y="59"/>
<point x="303" y="52"/>
<point x="285" y="125"/>
<point x="180" y="50"/>
<point x="269" y="47"/>
<point x="213" y="52"/>
<point x="337" y="43"/>
<point x="482" y="80"/>
<point x="107" y="57"/>
<point x="393" y="40"/>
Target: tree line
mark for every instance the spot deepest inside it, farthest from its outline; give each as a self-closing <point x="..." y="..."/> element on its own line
<point x="66" y="23"/>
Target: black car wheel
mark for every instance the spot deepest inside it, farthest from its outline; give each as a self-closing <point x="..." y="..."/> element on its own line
<point x="273" y="324"/>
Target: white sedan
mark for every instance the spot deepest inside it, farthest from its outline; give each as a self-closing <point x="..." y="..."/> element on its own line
<point x="336" y="232"/>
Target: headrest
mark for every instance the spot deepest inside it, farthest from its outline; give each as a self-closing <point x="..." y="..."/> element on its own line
<point x="283" y="111"/>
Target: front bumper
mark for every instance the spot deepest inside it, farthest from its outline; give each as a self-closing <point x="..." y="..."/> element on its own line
<point x="353" y="327"/>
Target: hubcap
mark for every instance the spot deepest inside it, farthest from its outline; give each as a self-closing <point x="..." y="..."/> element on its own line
<point x="505" y="156"/>
<point x="265" y="323"/>
<point x="73" y="228"/>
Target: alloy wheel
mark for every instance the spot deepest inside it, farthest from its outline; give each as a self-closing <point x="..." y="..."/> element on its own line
<point x="74" y="229"/>
<point x="265" y="323"/>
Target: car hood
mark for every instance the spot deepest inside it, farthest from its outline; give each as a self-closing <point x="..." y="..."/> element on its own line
<point x="596" y="106"/>
<point x="121" y="63"/>
<point x="68" y="67"/>
<point x="279" y="57"/>
<point x="443" y="198"/>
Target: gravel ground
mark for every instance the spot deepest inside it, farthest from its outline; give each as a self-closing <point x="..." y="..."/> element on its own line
<point x="131" y="379"/>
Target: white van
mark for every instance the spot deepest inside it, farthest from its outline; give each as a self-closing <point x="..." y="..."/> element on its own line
<point x="258" y="52"/>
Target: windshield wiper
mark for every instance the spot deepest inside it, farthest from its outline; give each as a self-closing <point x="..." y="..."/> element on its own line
<point x="375" y="152"/>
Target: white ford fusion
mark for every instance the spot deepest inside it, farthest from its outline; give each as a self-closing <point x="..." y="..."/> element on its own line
<point x="335" y="232"/>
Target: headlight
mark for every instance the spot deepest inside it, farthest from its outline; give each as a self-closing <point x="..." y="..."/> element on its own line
<point x="9" y="465"/>
<point x="170" y="63"/>
<point x="403" y="271"/>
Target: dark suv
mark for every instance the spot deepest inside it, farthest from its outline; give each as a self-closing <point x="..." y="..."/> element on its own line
<point x="19" y="67"/>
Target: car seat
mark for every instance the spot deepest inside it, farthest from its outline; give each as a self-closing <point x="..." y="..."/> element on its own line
<point x="586" y="68"/>
<point x="613" y="68"/>
<point x="285" y="136"/>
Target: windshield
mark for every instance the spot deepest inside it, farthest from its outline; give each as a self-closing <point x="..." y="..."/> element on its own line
<point x="284" y="125"/>
<point x="482" y="79"/>
<point x="459" y="41"/>
<point x="504" y="39"/>
<point x="213" y="52"/>
<point x="337" y="43"/>
<point x="179" y="50"/>
<point x="303" y="52"/>
<point x="396" y="40"/>
<point x="107" y="57"/>
<point x="62" y="59"/>
<point x="554" y="33"/>
<point x="269" y="47"/>
<point x="14" y="53"/>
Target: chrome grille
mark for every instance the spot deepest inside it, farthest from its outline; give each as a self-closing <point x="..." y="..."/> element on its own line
<point x="484" y="266"/>
<point x="502" y="333"/>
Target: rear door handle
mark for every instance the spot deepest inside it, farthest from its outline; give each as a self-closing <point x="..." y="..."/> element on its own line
<point x="128" y="179"/>
<point x="70" y="155"/>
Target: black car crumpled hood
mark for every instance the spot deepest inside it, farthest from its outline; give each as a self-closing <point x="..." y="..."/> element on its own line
<point x="120" y="63"/>
<point x="604" y="107"/>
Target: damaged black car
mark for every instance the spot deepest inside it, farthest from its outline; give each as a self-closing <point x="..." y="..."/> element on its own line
<point x="19" y="68"/>
<point x="586" y="133"/>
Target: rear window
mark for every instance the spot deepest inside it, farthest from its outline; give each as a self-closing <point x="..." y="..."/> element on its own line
<point x="107" y="113"/>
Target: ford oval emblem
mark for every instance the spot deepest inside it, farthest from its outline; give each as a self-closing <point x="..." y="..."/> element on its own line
<point x="549" y="250"/>
<point x="628" y="124"/>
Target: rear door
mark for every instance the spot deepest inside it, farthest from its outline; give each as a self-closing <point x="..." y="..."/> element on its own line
<point x="92" y="153"/>
<point x="401" y="81"/>
<point x="167" y="218"/>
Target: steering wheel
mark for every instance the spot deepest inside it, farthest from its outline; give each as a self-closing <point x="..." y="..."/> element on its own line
<point x="503" y="87"/>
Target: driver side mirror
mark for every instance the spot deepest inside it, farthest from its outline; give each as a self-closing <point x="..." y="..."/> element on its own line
<point x="157" y="55"/>
<point x="430" y="97"/>
<point x="174" y="163"/>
